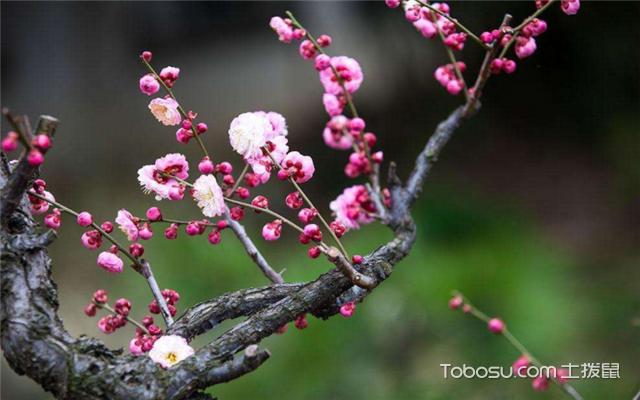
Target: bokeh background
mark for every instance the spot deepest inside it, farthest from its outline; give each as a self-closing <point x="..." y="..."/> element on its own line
<point x="532" y="211"/>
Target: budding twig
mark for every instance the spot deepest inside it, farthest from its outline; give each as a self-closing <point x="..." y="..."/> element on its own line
<point x="474" y="311"/>
<point x="137" y="265"/>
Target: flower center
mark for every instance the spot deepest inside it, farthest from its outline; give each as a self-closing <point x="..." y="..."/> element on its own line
<point x="172" y="357"/>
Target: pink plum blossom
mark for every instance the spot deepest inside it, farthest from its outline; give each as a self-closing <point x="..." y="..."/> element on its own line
<point x="525" y="46"/>
<point x="127" y="224"/>
<point x="332" y="104"/>
<point x="298" y="166"/>
<point x="282" y="28"/>
<point x="272" y="230"/>
<point x="153" y="180"/>
<point x="149" y="85"/>
<point x="38" y="206"/>
<point x="349" y="71"/>
<point x="91" y="239"/>
<point x="135" y="347"/>
<point x="353" y="207"/>
<point x="335" y="135"/>
<point x="347" y="310"/>
<point x="110" y="262"/>
<point x="165" y="111"/>
<point x="84" y="219"/>
<point x="570" y="7"/>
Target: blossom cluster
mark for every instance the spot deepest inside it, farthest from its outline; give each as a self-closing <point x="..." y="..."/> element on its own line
<point x="38" y="147"/>
<point x="433" y="20"/>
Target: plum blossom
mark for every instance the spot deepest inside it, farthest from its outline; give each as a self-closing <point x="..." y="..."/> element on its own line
<point x="446" y="75"/>
<point x="153" y="180"/>
<point x="282" y="28"/>
<point x="570" y="7"/>
<point x="333" y="105"/>
<point x="127" y="224"/>
<point x="169" y="350"/>
<point x="110" y="262"/>
<point x="525" y="46"/>
<point x="208" y="194"/>
<point x="135" y="347"/>
<point x="297" y="166"/>
<point x="353" y="207"/>
<point x="149" y="85"/>
<point x="335" y="134"/>
<point x="272" y="230"/>
<point x="349" y="71"/>
<point x="248" y="134"/>
<point x="262" y="165"/>
<point x="39" y="206"/>
<point x="165" y="111"/>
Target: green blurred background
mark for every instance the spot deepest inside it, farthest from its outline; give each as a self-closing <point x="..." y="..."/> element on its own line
<point x="532" y="211"/>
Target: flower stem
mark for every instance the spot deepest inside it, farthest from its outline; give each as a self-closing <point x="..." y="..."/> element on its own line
<point x="524" y="23"/>
<point x="310" y="203"/>
<point x="137" y="265"/>
<point x="169" y="91"/>
<point x="111" y="310"/>
<point x="456" y="23"/>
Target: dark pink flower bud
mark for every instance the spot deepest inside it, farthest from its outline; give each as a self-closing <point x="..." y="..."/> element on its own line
<point x="251" y="179"/>
<point x="509" y="66"/>
<point x="91" y="239"/>
<point x="154" y="330"/>
<point x="10" y="143"/>
<point x="147" y="320"/>
<point x="313" y="231"/>
<point x="282" y="329"/>
<point x="486" y="37"/>
<point x="260" y="201"/>
<point x="192" y="228"/>
<point x="299" y="33"/>
<point x="146" y="55"/>
<point x="100" y="296"/>
<point x="201" y="128"/>
<point x="294" y="200"/>
<point x="122" y="306"/>
<point x="52" y="221"/>
<point x="347" y="310"/>
<point x="154" y="214"/>
<point x="224" y="168"/>
<point x="301" y="322"/>
<point x="356" y="124"/>
<point x="206" y="166"/>
<point x="520" y="366"/>
<point x="314" y="252"/>
<point x="243" y="192"/>
<point x="171" y="232"/>
<point x="370" y="138"/>
<point x="496" y="325"/>
<point x="540" y="384"/>
<point x="324" y="40"/>
<point x="90" y="309"/>
<point x="306" y="215"/>
<point x="84" y="219"/>
<point x="237" y="213"/>
<point x="42" y="142"/>
<point x="357" y="259"/>
<point x="107" y="226"/>
<point x="35" y="158"/>
<point x="455" y="302"/>
<point x="222" y="224"/>
<point x="136" y="250"/>
<point x="337" y="228"/>
<point x="228" y="180"/>
<point x="322" y="62"/>
<point x="145" y="232"/>
<point x="392" y="3"/>
<point x="154" y="308"/>
<point x="304" y="239"/>
<point x="214" y="237"/>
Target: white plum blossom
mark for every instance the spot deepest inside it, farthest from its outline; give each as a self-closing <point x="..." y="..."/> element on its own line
<point x="169" y="350"/>
<point x="208" y="194"/>
<point x="248" y="134"/>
